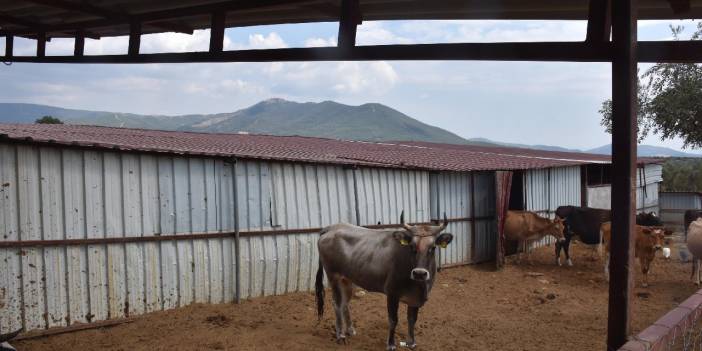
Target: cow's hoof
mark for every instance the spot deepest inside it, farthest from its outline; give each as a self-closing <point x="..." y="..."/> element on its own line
<point x="341" y="339"/>
<point x="391" y="348"/>
<point x="408" y="344"/>
<point x="558" y="261"/>
<point x="570" y="263"/>
<point x="351" y="331"/>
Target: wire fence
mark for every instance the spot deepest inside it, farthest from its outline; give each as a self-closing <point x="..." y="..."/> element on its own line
<point x="678" y="330"/>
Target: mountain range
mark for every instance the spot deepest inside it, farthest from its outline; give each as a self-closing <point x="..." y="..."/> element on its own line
<point x="329" y="119"/>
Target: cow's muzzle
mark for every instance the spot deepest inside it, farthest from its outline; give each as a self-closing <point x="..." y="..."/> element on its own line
<point x="420" y="274"/>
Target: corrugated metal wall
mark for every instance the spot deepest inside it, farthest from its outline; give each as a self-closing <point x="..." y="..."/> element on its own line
<point x="647" y="186"/>
<point x="451" y="193"/>
<point x="51" y="193"/>
<point x="674" y="204"/>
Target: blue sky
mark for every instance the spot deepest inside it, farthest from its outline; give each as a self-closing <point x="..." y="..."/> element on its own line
<point x="522" y="102"/>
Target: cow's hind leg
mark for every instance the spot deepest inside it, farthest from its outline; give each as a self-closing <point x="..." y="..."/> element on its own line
<point x="393" y="305"/>
<point x="338" y="309"/>
<point x="558" y="245"/>
<point x="346" y="292"/>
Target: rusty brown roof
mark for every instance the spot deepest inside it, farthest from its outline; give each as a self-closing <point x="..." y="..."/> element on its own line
<point x="415" y="155"/>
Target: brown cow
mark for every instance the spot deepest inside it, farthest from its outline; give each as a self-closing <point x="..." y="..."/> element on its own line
<point x="398" y="262"/>
<point x="524" y="226"/>
<point x="648" y="241"/>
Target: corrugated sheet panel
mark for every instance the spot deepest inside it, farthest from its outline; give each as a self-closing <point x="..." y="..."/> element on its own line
<point x="51" y="193"/>
<point x="673" y="206"/>
<point x="384" y="193"/>
<point x="451" y="193"/>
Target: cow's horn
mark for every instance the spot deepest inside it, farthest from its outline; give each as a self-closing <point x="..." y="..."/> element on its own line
<point x="402" y="221"/>
<point x="443" y="225"/>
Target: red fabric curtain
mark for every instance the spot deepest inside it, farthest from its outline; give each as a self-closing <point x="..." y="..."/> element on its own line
<point x="503" y="185"/>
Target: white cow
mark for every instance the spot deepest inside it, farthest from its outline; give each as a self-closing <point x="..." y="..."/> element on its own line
<point x="694" y="245"/>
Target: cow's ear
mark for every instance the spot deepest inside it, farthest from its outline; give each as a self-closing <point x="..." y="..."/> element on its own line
<point x="403" y="237"/>
<point x="443" y="240"/>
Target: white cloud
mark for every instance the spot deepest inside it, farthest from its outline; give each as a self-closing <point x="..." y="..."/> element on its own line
<point x="262" y="41"/>
<point x="320" y="42"/>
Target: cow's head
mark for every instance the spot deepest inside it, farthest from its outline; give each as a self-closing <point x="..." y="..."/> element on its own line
<point x="556" y="229"/>
<point x="654" y="238"/>
<point x="423" y="240"/>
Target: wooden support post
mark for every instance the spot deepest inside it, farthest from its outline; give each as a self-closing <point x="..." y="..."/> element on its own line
<point x="624" y="107"/>
<point x="41" y="44"/>
<point x="9" y="44"/>
<point x="349" y="19"/>
<point x="79" y="46"/>
<point x="134" y="38"/>
<point x="217" y="31"/>
<point x="599" y="22"/>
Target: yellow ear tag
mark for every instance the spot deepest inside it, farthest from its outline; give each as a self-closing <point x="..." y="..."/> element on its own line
<point x="404" y="242"/>
<point x="443" y="245"/>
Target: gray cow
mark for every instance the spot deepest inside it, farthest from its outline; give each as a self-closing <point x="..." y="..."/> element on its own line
<point x="399" y="263"/>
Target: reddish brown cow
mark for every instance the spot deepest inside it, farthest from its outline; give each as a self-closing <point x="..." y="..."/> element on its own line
<point x="524" y="226"/>
<point x="648" y="241"/>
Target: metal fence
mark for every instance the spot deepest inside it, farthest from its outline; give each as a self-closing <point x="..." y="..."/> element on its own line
<point x="674" y="204"/>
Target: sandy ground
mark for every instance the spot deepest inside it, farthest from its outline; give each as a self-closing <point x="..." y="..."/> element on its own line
<point x="470" y="308"/>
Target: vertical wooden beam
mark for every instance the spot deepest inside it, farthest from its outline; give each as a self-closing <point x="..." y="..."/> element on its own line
<point x="41" y="44"/>
<point x="217" y="31"/>
<point x="349" y="19"/>
<point x="134" y="38"/>
<point x="624" y="107"/>
<point x="599" y="22"/>
<point x="9" y="45"/>
<point x="79" y="46"/>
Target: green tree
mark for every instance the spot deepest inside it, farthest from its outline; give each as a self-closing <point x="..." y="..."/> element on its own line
<point x="48" y="120"/>
<point x="670" y="100"/>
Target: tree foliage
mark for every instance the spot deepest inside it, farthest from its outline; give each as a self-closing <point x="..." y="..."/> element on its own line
<point x="48" y="120"/>
<point x="669" y="98"/>
<point x="682" y="174"/>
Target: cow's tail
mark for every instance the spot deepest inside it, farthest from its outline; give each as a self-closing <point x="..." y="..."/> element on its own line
<point x="9" y="336"/>
<point x="319" y="285"/>
<point x="319" y="291"/>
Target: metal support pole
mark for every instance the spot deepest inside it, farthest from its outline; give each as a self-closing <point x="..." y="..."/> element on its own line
<point x="355" y="196"/>
<point x="472" y="216"/>
<point x="624" y="107"/>
<point x="237" y="246"/>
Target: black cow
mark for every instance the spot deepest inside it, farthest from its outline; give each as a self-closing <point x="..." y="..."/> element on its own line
<point x="585" y="222"/>
<point x="691" y="216"/>
<point x="397" y="262"/>
<point x="649" y="219"/>
<point x="4" y="338"/>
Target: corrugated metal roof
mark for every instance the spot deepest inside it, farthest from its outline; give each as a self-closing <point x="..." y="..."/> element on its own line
<point x="112" y="17"/>
<point x="429" y="156"/>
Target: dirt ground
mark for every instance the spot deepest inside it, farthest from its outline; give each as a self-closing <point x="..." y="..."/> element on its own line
<point x="470" y="308"/>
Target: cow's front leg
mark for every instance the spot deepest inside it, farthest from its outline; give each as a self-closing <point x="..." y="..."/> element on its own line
<point x="393" y="305"/>
<point x="566" y="250"/>
<point x="412" y="313"/>
<point x="645" y="265"/>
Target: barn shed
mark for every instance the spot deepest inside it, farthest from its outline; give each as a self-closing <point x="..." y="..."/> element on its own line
<point x="673" y="205"/>
<point x="103" y="223"/>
